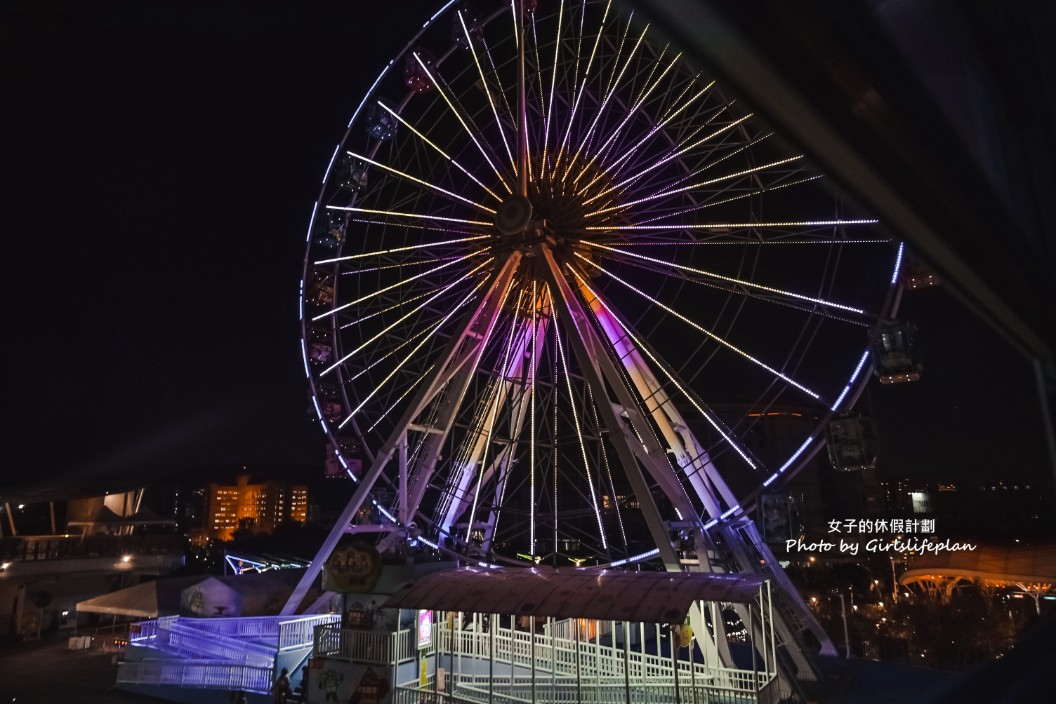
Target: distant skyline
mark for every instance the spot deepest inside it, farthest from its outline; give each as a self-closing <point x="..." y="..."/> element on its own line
<point x="167" y="158"/>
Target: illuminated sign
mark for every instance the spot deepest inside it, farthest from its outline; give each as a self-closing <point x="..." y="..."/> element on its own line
<point x="425" y="629"/>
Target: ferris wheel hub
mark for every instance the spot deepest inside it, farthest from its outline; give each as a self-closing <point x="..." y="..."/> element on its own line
<point x="514" y="215"/>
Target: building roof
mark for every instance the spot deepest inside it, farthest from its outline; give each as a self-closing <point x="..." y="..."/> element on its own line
<point x="1018" y="563"/>
<point x="649" y="597"/>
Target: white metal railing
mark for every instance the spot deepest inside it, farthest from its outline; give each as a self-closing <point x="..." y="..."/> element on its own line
<point x="300" y="632"/>
<point x="230" y="638"/>
<point x="196" y="673"/>
<point x="558" y="656"/>
<point x="520" y="690"/>
<point x="371" y="647"/>
<point x="555" y="660"/>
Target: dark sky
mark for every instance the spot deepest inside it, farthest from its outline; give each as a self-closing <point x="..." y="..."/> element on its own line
<point x="161" y="161"/>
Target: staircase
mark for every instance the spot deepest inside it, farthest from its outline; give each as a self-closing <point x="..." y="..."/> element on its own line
<point x="227" y="654"/>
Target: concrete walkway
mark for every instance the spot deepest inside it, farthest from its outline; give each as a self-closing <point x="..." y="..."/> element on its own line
<point x="46" y="672"/>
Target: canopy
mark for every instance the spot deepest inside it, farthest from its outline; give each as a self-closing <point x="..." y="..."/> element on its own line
<point x="648" y="597"/>
<point x="160" y="597"/>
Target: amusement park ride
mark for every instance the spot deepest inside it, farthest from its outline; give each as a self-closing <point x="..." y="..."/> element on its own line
<point x="545" y="246"/>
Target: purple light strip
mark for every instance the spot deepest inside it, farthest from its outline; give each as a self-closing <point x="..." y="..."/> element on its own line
<point x="850" y="382"/>
<point x="788" y="463"/>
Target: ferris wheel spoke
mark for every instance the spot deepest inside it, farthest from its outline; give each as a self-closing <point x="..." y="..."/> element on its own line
<point x="487" y="90"/>
<point x="733" y="348"/>
<point x="753" y="227"/>
<point x="608" y="470"/>
<point x="396" y="265"/>
<point x="398" y="284"/>
<point x="674" y="154"/>
<point x="625" y="159"/>
<point x="404" y="301"/>
<point x="461" y="120"/>
<point x="421" y="182"/>
<point x="616" y="132"/>
<point x="399" y="250"/>
<point x="544" y="158"/>
<point x="410" y="387"/>
<point x="695" y="186"/>
<point x="866" y="321"/>
<point x="469" y="296"/>
<point x="615" y="167"/>
<point x="498" y="397"/>
<point x="417" y="216"/>
<point x="579" y="431"/>
<point x="614" y="82"/>
<point x="406" y="316"/>
<point x="438" y="150"/>
<point x="730" y="279"/>
<point x="713" y="202"/>
<point x="723" y="240"/>
<point x="578" y="93"/>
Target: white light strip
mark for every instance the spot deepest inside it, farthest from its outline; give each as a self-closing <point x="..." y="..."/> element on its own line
<point x="683" y="189"/>
<point x="634" y="558"/>
<point x="404" y="361"/>
<point x="740" y="282"/>
<point x="673" y="155"/>
<point x="575" y="419"/>
<point x="641" y="348"/>
<point x="787" y="464"/>
<point x="408" y="280"/>
<point x="395" y="250"/>
<point x="738" y="243"/>
<point x="421" y="182"/>
<point x="394" y="213"/>
<point x="745" y="225"/>
<point x="402" y="318"/>
<point x="458" y="116"/>
<point x="442" y="153"/>
<point x="707" y="332"/>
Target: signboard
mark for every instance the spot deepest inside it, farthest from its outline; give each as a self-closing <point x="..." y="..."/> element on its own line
<point x="425" y="629"/>
<point x="352" y="567"/>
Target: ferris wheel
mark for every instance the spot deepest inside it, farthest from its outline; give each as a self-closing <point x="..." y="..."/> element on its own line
<point x="556" y="277"/>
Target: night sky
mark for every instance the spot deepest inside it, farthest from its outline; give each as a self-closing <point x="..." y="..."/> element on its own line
<point x="161" y="161"/>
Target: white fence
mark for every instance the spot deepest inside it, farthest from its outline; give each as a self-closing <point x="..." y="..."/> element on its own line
<point x="196" y="673"/>
<point x="602" y="671"/>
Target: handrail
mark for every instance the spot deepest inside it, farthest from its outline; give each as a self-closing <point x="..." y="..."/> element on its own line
<point x="206" y="674"/>
<point x="555" y="657"/>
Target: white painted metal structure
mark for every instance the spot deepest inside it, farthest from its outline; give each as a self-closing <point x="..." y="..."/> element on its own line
<point x="498" y="330"/>
<point x="487" y="658"/>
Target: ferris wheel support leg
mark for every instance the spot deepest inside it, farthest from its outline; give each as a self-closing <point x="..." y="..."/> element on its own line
<point x="338" y="531"/>
<point x="595" y="366"/>
<point x="460" y="349"/>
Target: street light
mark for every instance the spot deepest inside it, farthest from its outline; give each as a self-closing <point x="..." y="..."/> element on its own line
<point x="894" y="582"/>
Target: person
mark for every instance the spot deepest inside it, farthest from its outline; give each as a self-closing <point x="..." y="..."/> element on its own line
<point x="281" y="689"/>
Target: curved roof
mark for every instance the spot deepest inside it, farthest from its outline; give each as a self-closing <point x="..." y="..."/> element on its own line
<point x="649" y="597"/>
<point x="1019" y="563"/>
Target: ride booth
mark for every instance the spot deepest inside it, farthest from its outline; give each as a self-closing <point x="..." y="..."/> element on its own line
<point x="547" y="635"/>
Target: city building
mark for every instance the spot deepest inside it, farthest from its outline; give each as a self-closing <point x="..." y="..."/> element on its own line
<point x="257" y="508"/>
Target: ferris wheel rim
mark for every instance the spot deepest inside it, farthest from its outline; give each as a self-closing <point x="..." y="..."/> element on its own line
<point x="317" y="211"/>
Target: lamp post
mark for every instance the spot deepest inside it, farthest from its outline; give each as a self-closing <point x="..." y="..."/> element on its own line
<point x="846" y="634"/>
<point x="894" y="582"/>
